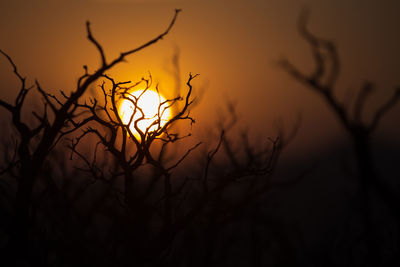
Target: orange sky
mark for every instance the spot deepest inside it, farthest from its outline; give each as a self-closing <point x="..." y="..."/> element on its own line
<point x="234" y="45"/>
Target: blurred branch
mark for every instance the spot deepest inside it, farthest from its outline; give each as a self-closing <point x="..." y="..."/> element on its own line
<point x="184" y="156"/>
<point x="210" y="157"/>
<point x="365" y="91"/>
<point x="327" y="68"/>
<point x="384" y="109"/>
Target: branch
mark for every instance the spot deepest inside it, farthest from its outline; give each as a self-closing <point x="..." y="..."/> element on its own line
<point x="314" y="44"/>
<point x="156" y="39"/>
<point x="210" y="157"/>
<point x="365" y="91"/>
<point x="314" y="81"/>
<point x="161" y="36"/>
<point x="184" y="156"/>
<point x="317" y="45"/>
<point x="45" y="96"/>
<point x="6" y="106"/>
<point x="13" y="65"/>
<point x="66" y="111"/>
<point x="384" y="109"/>
<point x="96" y="43"/>
<point x="179" y="116"/>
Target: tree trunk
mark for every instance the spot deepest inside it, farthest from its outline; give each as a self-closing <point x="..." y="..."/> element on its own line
<point x="367" y="178"/>
<point x="21" y="244"/>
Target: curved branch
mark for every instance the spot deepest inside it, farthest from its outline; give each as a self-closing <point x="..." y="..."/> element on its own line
<point x="384" y="109"/>
<point x="365" y="91"/>
<point x="96" y="43"/>
<point x="156" y="39"/>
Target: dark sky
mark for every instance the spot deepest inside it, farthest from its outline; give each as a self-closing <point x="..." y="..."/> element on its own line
<point x="234" y="45"/>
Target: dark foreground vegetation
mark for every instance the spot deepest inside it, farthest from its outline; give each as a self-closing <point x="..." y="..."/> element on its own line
<point x="78" y="187"/>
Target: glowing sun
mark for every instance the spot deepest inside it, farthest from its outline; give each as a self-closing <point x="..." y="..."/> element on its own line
<point x="151" y="105"/>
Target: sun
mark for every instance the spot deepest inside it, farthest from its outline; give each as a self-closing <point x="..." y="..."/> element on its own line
<point x="151" y="103"/>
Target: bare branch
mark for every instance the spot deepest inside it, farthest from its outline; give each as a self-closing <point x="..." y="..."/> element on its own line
<point x="210" y="157"/>
<point x="314" y="81"/>
<point x="314" y="44"/>
<point x="13" y="65"/>
<point x="365" y="91"/>
<point x="384" y="109"/>
<point x="161" y="36"/>
<point x="45" y="96"/>
<point x="96" y="43"/>
<point x="184" y="156"/>
<point x="335" y="64"/>
<point x="6" y="105"/>
<point x="23" y="91"/>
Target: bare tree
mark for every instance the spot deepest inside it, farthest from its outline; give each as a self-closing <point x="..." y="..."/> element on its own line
<point x="132" y="146"/>
<point x="322" y="81"/>
<point x="151" y="214"/>
<point x="57" y="120"/>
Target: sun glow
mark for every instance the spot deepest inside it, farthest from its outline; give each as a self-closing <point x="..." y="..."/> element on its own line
<point x="151" y="108"/>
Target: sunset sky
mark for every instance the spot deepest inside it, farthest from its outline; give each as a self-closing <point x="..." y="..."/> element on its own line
<point x="233" y="45"/>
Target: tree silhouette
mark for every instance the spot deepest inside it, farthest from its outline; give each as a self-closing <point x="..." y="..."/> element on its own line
<point x="148" y="207"/>
<point x="35" y="144"/>
<point x="118" y="139"/>
<point x="322" y="81"/>
<point x="125" y="199"/>
<point x="203" y="192"/>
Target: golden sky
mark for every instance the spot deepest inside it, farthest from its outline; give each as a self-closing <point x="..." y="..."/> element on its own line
<point x="234" y="45"/>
